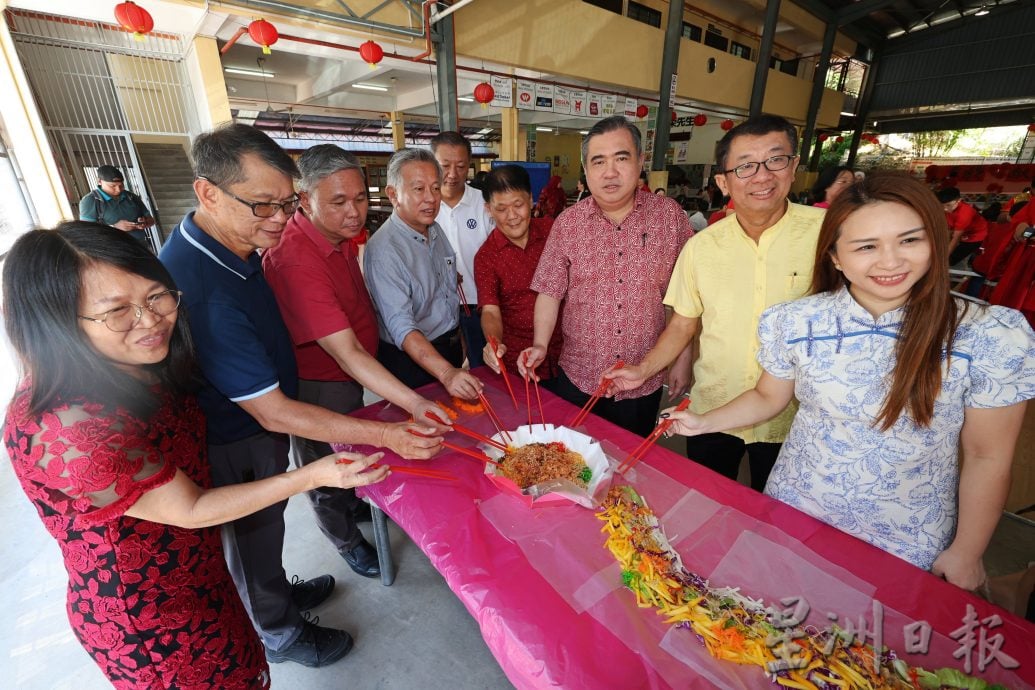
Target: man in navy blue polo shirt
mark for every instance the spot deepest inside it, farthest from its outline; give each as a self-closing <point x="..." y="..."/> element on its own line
<point x="245" y="197"/>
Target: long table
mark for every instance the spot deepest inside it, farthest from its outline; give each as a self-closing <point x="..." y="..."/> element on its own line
<point x="548" y="596"/>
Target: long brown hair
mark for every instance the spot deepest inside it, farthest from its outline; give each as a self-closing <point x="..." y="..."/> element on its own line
<point x="931" y="313"/>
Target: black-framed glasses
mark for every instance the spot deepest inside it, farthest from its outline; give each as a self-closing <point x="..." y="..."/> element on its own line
<point x="126" y="317"/>
<point x="261" y="209"/>
<point x="772" y="164"/>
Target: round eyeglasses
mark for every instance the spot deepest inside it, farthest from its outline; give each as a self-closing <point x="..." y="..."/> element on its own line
<point x="126" y="317"/>
<point x="772" y="164"/>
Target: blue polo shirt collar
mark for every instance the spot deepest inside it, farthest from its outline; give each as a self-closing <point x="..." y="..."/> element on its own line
<point x="210" y="247"/>
<point x="104" y="195"/>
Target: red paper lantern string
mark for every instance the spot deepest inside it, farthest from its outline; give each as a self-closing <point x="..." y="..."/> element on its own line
<point x="700" y="120"/>
<point x="263" y="33"/>
<point x="823" y="137"/>
<point x="1031" y="127"/>
<point x="134" y="18"/>
<point x="484" y="93"/>
<point x="371" y="53"/>
<point x="726" y="125"/>
<point x="641" y="111"/>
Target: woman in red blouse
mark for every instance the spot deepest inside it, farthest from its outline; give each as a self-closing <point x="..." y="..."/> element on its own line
<point x="108" y="444"/>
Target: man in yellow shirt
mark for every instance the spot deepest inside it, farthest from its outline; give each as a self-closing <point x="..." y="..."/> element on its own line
<point x="725" y="278"/>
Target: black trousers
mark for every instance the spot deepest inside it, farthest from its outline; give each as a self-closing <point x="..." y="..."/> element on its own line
<point x="333" y="507"/>
<point x="411" y="373"/>
<point x="637" y="415"/>
<point x="722" y="453"/>
<point x="474" y="339"/>
<point x="254" y="544"/>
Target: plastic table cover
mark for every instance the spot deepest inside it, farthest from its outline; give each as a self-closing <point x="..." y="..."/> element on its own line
<point x="548" y="595"/>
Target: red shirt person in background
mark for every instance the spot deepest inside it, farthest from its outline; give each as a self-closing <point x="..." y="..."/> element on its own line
<point x="503" y="270"/>
<point x="315" y="277"/>
<point x="551" y="199"/>
<point x="968" y="228"/>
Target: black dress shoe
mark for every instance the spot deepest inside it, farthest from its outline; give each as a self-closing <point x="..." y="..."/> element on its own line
<point x="362" y="558"/>
<point x="308" y="594"/>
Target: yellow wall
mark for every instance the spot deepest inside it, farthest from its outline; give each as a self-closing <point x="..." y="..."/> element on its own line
<point x="608" y="48"/>
<point x="548" y="145"/>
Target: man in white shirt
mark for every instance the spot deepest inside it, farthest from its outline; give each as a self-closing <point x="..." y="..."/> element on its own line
<point x="466" y="223"/>
<point x="698" y="219"/>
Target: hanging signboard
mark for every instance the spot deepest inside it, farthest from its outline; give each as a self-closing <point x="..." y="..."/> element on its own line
<point x="525" y="95"/>
<point x="544" y="97"/>
<point x="503" y="91"/>
<point x="594" y="106"/>
<point x="630" y="107"/>
<point x="562" y="100"/>
<point x="579" y="106"/>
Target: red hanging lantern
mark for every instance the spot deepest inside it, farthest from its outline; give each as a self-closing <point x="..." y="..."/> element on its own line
<point x="700" y="120"/>
<point x="641" y="111"/>
<point x="263" y="33"/>
<point x="823" y="137"/>
<point x="371" y="53"/>
<point x="839" y="140"/>
<point x="484" y="93"/>
<point x="674" y="118"/>
<point x="134" y="18"/>
<point x="1031" y="127"/>
<point x="726" y="125"/>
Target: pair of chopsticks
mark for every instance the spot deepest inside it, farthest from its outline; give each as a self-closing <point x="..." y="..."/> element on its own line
<point x="459" y="428"/>
<point x="581" y="415"/>
<point x="528" y="396"/>
<point x="470" y="452"/>
<point x="490" y="412"/>
<point x="416" y="471"/>
<point x="503" y="369"/>
<point x="641" y="450"/>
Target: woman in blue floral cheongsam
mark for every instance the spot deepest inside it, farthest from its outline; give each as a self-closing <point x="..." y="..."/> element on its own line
<point x="893" y="376"/>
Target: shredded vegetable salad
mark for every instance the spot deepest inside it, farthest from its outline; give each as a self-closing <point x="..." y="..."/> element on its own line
<point x="742" y="630"/>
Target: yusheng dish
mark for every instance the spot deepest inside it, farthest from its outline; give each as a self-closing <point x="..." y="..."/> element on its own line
<point x="736" y="628"/>
<point x="546" y="463"/>
<point x="536" y="463"/>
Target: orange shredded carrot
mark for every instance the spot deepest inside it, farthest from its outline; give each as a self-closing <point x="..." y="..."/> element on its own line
<point x="453" y="414"/>
<point x="472" y="407"/>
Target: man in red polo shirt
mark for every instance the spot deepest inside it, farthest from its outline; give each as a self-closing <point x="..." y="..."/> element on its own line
<point x="967" y="226"/>
<point x="503" y="270"/>
<point x="315" y="277"/>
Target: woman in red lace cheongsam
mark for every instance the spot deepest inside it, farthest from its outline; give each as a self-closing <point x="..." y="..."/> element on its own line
<point x="108" y="444"/>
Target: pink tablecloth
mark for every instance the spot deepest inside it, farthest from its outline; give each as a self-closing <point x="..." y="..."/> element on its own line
<point x="548" y="596"/>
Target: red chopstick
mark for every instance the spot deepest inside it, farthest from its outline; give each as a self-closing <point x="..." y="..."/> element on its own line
<point x="538" y="399"/>
<point x="641" y="450"/>
<point x="463" y="297"/>
<point x="477" y="455"/>
<point x="470" y="452"/>
<point x="528" y="398"/>
<point x="466" y="432"/>
<point x="581" y="415"/>
<point x="494" y="418"/>
<point x="503" y="369"/>
<point x="416" y="471"/>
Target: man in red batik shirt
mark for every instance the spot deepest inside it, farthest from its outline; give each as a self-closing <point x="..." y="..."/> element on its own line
<point x="503" y="270"/>
<point x="609" y="259"/>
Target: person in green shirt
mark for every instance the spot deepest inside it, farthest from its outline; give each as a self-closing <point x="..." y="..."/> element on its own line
<point x="112" y="204"/>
